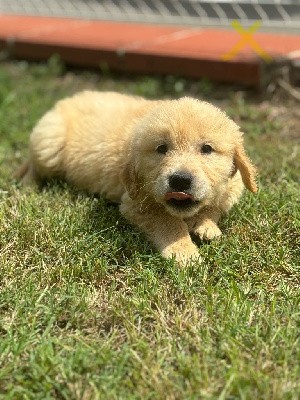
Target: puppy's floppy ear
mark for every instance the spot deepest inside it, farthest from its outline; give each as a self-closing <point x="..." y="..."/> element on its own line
<point x="246" y="168"/>
<point x="130" y="180"/>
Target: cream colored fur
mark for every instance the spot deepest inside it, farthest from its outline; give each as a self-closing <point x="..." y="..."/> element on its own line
<point x="107" y="143"/>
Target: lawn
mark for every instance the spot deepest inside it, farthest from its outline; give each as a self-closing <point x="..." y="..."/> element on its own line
<point x="89" y="311"/>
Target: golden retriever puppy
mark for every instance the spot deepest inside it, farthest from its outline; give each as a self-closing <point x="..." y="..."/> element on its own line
<point x="174" y="165"/>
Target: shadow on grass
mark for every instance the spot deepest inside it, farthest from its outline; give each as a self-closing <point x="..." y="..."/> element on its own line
<point x="127" y="246"/>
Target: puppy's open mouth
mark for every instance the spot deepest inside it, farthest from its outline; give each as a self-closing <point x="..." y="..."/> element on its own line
<point x="180" y="199"/>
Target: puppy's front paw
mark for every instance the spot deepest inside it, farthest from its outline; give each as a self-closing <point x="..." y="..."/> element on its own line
<point x="184" y="254"/>
<point x="208" y="230"/>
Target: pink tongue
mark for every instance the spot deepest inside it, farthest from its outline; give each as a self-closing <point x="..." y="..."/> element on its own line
<point x="177" y="196"/>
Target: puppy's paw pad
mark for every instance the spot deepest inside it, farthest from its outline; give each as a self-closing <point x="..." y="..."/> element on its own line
<point x="208" y="230"/>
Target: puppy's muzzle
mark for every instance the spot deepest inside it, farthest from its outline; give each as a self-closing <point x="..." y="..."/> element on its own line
<point x="179" y="196"/>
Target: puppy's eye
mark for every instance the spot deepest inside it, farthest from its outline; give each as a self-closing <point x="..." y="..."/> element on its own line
<point x="162" y="149"/>
<point x="206" y="149"/>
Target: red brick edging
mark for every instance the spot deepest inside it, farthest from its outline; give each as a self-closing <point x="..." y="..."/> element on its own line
<point x="186" y="51"/>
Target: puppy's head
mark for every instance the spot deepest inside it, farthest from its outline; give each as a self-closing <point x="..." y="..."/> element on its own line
<point x="183" y="153"/>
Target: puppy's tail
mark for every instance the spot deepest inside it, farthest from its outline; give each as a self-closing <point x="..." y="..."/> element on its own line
<point x="26" y="174"/>
<point x="22" y="171"/>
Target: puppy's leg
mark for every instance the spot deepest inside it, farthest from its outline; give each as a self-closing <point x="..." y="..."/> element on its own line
<point x="169" y="234"/>
<point x="204" y="224"/>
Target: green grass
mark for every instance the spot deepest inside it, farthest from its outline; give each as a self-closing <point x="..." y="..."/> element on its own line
<point x="89" y="311"/>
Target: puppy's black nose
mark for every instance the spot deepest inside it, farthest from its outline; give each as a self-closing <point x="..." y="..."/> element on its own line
<point x="180" y="181"/>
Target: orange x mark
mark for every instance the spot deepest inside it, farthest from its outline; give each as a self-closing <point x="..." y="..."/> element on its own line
<point x="246" y="38"/>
